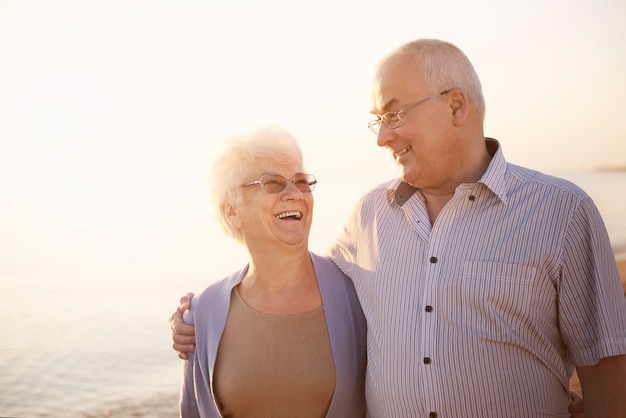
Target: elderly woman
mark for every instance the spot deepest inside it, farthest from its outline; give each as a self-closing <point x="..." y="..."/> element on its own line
<point x="285" y="336"/>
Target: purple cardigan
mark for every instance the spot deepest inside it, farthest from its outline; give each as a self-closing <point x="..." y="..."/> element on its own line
<point x="346" y="329"/>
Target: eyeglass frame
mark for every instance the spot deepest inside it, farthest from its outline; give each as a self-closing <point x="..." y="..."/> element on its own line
<point x="311" y="182"/>
<point x="374" y="125"/>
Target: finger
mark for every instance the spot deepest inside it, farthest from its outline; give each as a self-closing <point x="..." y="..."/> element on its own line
<point x="184" y="348"/>
<point x="185" y="302"/>
<point x="175" y="322"/>
<point x="574" y="396"/>
<point x="180" y="328"/>
<point x="183" y="306"/>
<point x="178" y="325"/>
<point x="577" y="404"/>
<point x="176" y="319"/>
<point x="182" y="339"/>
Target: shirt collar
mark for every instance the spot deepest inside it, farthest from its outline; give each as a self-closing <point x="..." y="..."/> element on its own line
<point x="493" y="177"/>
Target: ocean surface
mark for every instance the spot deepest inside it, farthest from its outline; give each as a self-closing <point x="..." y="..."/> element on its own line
<point x="89" y="333"/>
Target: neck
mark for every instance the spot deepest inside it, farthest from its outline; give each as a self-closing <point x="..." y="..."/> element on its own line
<point x="270" y="271"/>
<point x="281" y="285"/>
<point x="475" y="163"/>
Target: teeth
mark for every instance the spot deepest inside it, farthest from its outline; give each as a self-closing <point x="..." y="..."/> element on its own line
<point x="295" y="214"/>
<point x="402" y="152"/>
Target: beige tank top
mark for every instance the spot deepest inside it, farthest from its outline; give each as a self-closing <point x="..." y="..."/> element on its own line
<point x="274" y="365"/>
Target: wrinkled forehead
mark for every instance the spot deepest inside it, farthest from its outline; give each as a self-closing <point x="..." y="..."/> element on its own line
<point x="286" y="166"/>
<point x="397" y="80"/>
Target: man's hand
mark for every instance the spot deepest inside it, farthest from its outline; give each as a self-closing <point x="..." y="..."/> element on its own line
<point x="576" y="408"/>
<point x="183" y="335"/>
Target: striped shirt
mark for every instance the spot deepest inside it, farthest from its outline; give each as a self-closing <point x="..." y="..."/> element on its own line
<point x="486" y="312"/>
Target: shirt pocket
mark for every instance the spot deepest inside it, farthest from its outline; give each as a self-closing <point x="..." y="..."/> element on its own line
<point x="497" y="298"/>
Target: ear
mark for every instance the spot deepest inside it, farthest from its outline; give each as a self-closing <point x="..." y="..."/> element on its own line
<point x="459" y="106"/>
<point x="230" y="213"/>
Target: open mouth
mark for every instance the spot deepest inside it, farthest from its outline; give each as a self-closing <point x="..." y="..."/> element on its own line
<point x="402" y="152"/>
<point x="297" y="215"/>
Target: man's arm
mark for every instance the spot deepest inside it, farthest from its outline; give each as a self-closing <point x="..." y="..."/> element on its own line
<point x="604" y="386"/>
<point x="183" y="335"/>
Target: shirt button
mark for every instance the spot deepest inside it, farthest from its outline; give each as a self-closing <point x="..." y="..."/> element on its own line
<point x="432" y="415"/>
<point x="426" y="360"/>
<point x="428" y="308"/>
<point x="472" y="198"/>
<point x="433" y="260"/>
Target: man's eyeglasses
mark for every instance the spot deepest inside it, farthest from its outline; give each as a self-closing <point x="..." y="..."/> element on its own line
<point x="274" y="183"/>
<point x="392" y="119"/>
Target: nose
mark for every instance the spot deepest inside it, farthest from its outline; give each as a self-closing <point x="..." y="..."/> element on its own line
<point x="385" y="135"/>
<point x="291" y="192"/>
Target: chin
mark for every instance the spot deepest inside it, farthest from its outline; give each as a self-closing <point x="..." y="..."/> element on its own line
<point x="404" y="174"/>
<point x="408" y="178"/>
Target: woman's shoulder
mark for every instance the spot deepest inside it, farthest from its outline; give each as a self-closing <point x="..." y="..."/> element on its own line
<point x="223" y="285"/>
<point x="216" y="297"/>
<point x="325" y="266"/>
<point x="331" y="280"/>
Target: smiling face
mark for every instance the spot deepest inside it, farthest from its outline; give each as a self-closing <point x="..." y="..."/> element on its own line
<point x="273" y="220"/>
<point x="425" y="146"/>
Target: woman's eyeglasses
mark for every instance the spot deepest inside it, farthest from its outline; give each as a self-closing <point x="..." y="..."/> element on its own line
<point x="274" y="183"/>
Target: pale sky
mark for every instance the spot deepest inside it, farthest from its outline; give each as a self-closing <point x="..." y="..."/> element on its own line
<point x="110" y="110"/>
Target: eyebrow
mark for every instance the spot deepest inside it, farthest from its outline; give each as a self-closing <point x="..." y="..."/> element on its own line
<point x="385" y="107"/>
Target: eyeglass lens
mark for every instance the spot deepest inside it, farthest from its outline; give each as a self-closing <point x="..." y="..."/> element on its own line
<point x="274" y="183"/>
<point x="391" y="119"/>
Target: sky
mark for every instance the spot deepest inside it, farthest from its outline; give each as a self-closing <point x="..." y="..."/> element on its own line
<point x="111" y="111"/>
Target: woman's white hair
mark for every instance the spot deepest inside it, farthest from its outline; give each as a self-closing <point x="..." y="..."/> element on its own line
<point x="242" y="156"/>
